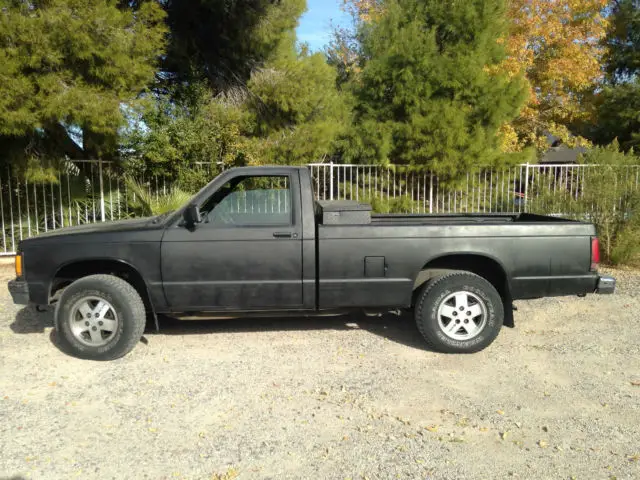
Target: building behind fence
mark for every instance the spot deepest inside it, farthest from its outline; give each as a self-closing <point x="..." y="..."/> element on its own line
<point x="94" y="191"/>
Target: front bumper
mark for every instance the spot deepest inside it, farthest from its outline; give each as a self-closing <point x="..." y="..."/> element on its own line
<point x="19" y="291"/>
<point x="606" y="285"/>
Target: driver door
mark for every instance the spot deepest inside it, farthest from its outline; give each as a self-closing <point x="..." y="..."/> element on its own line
<point x="247" y="252"/>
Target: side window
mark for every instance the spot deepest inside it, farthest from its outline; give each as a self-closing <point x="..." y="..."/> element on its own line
<point x="250" y="201"/>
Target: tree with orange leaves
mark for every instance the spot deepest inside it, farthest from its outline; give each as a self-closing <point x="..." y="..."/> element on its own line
<point x="557" y="45"/>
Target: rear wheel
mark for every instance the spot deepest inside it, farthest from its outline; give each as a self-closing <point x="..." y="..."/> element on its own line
<point x="99" y="317"/>
<point x="459" y="313"/>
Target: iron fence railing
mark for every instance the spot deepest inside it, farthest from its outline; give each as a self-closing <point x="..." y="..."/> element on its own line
<point x="94" y="191"/>
<point x="410" y="191"/>
<point x="80" y="192"/>
<point x="511" y="189"/>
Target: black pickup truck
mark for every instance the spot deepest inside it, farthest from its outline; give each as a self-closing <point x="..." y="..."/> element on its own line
<point x="254" y="242"/>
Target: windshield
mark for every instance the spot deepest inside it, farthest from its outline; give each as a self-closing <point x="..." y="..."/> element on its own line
<point x="197" y="195"/>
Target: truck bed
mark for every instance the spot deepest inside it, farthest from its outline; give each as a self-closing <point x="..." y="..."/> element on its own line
<point x="464" y="218"/>
<point x="377" y="263"/>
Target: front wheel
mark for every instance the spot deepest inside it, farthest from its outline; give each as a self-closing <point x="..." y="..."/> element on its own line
<point x="99" y="317"/>
<point x="459" y="312"/>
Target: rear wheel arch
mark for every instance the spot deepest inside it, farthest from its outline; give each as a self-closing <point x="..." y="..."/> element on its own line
<point x="480" y="264"/>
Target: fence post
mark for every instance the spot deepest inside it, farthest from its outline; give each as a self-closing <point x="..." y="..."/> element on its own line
<point x="331" y="180"/>
<point x="101" y="189"/>
<point x="4" y="236"/>
<point x="431" y="192"/>
<point x="526" y="187"/>
<point x="13" y="233"/>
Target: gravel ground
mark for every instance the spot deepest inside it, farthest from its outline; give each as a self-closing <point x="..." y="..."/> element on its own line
<point x="556" y="397"/>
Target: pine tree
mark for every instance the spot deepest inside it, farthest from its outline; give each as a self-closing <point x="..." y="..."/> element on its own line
<point x="618" y="103"/>
<point x="622" y="60"/>
<point x="67" y="67"/>
<point x="221" y="42"/>
<point x="296" y="108"/>
<point x="427" y="93"/>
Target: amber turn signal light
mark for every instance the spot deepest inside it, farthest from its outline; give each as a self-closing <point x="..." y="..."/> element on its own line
<point x="19" y="265"/>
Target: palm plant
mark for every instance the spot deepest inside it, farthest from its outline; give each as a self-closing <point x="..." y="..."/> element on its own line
<point x="144" y="202"/>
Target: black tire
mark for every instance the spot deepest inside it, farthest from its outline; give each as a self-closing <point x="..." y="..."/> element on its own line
<point x="126" y="303"/>
<point x="435" y="294"/>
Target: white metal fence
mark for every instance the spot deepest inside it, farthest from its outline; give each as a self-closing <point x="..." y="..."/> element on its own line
<point x="512" y="189"/>
<point x="80" y="192"/>
<point x="91" y="191"/>
<point x="488" y="191"/>
<point x="391" y="188"/>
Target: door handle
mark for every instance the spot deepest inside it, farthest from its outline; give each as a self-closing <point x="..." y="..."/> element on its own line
<point x="284" y="235"/>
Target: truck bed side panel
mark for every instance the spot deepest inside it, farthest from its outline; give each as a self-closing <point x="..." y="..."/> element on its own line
<point x="538" y="260"/>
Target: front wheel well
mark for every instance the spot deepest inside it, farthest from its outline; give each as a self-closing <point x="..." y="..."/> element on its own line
<point x="76" y="270"/>
<point x="483" y="266"/>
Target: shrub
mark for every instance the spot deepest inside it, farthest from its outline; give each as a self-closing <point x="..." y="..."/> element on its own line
<point x="144" y="202"/>
<point x="606" y="194"/>
<point x="627" y="245"/>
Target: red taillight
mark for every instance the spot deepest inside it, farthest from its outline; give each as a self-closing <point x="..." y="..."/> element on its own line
<point x="595" y="253"/>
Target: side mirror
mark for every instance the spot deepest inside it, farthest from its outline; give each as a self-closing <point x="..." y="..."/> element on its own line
<point x="191" y="215"/>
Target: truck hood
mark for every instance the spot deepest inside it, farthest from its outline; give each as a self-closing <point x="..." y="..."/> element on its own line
<point x="130" y="225"/>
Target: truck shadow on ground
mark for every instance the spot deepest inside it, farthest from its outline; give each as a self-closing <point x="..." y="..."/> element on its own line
<point x="400" y="329"/>
<point x="29" y="320"/>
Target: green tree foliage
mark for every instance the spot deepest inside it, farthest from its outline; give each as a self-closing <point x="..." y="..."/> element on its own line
<point x="427" y="93"/>
<point x="175" y="138"/>
<point x="222" y="41"/>
<point x="618" y="116"/>
<point x="296" y="111"/>
<point x="287" y="112"/>
<point x="618" y="104"/>
<point x="622" y="59"/>
<point x="290" y="113"/>
<point x="66" y="69"/>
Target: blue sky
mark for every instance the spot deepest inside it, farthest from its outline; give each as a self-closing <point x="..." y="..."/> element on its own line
<point x="315" y="23"/>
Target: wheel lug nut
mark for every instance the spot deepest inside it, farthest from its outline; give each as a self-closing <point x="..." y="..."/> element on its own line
<point x="100" y="322"/>
<point x="86" y="323"/>
<point x="461" y="309"/>
<point x="455" y="314"/>
<point x="469" y="313"/>
<point x="466" y="321"/>
<point x="94" y="328"/>
<point x="88" y="315"/>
